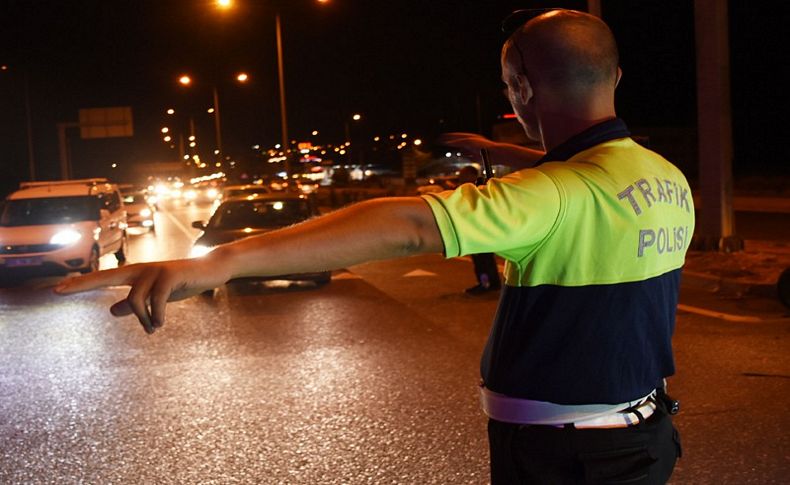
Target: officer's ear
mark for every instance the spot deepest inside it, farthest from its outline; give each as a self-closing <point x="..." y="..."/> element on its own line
<point x="619" y="75"/>
<point x="524" y="89"/>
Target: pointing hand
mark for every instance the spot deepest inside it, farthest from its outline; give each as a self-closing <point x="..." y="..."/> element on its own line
<point x="152" y="286"/>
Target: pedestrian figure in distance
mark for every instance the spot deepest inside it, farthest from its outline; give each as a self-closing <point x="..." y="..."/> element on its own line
<point x="486" y="270"/>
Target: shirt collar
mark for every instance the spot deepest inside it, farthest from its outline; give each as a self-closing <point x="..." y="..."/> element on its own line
<point x="604" y="131"/>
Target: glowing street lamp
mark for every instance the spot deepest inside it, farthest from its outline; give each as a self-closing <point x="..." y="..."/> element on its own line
<point x="242" y="77"/>
<point x="185" y="80"/>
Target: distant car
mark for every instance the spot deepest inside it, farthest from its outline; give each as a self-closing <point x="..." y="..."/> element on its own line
<point x="232" y="191"/>
<point x="139" y="211"/>
<point x="200" y="194"/>
<point x="49" y="228"/>
<point x="242" y="217"/>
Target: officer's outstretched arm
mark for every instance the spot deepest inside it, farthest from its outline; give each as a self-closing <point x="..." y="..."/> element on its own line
<point x="376" y="229"/>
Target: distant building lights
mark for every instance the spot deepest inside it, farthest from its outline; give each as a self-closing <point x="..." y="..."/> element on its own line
<point x="185" y="80"/>
<point x="242" y="77"/>
<point x="356" y="117"/>
<point x="315" y="132"/>
<point x="376" y="138"/>
<point x="448" y="154"/>
<point x="216" y="152"/>
<point x="171" y="111"/>
<point x="192" y="144"/>
<point x="404" y="135"/>
<point x="418" y="142"/>
<point x="167" y="138"/>
<point x="210" y="110"/>
<point x="165" y="129"/>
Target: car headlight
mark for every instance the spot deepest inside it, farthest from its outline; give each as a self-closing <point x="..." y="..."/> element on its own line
<point x="212" y="193"/>
<point x="199" y="250"/>
<point x="190" y="194"/>
<point x="145" y="212"/>
<point x="65" y="237"/>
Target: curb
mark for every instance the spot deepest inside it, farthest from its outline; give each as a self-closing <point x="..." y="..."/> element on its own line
<point x="718" y="284"/>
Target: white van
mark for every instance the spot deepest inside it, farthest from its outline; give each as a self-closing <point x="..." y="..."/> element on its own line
<point x="58" y="227"/>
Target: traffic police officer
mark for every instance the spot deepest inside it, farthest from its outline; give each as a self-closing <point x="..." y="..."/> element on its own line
<point x="594" y="238"/>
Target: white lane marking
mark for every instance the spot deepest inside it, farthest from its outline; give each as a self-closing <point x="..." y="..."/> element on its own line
<point x="189" y="234"/>
<point x="721" y="315"/>
<point x="418" y="272"/>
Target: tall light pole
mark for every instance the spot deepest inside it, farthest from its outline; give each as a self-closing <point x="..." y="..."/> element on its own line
<point x="281" y="76"/>
<point x="227" y="5"/>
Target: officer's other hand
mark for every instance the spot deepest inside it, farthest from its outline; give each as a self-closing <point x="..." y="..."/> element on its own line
<point x="469" y="144"/>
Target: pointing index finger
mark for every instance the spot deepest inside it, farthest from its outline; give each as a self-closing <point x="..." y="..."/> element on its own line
<point x="98" y="279"/>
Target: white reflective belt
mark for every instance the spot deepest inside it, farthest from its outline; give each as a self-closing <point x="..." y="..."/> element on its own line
<point x="526" y="411"/>
<point x="618" y="420"/>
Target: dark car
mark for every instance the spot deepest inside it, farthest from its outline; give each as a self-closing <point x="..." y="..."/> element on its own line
<point x="242" y="217"/>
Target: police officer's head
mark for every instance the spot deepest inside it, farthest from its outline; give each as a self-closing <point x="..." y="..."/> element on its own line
<point x="560" y="63"/>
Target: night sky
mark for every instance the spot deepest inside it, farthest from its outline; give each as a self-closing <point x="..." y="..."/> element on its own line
<point x="406" y="66"/>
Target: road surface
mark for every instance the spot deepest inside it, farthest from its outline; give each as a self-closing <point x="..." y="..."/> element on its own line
<point x="370" y="379"/>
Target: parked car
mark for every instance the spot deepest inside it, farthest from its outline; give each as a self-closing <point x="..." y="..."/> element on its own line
<point x="139" y="210"/>
<point x="57" y="227"/>
<point x="242" y="217"/>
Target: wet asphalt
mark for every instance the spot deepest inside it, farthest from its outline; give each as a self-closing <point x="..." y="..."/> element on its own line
<point x="370" y="379"/>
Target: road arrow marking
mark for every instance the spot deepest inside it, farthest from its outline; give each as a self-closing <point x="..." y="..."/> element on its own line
<point x="346" y="276"/>
<point x="418" y="272"/>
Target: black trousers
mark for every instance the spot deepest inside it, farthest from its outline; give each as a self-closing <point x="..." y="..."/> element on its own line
<point x="641" y="454"/>
<point x="486" y="269"/>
